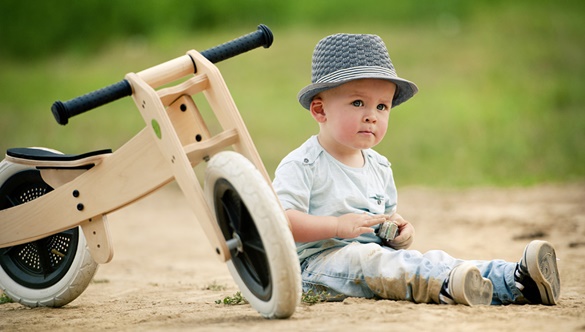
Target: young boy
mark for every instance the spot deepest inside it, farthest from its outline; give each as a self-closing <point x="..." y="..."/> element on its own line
<point x="337" y="191"/>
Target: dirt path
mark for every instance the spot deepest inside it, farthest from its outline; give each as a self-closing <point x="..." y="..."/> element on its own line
<point x="164" y="275"/>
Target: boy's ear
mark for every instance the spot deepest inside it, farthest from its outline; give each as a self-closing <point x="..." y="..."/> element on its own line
<point x="317" y="110"/>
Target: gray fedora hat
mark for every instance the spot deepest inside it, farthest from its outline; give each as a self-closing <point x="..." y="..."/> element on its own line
<point x="340" y="58"/>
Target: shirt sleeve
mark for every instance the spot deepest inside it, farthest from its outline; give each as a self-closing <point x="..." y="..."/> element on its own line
<point x="292" y="183"/>
<point x="391" y="192"/>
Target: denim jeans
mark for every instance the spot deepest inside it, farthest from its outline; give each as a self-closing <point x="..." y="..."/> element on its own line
<point x="370" y="270"/>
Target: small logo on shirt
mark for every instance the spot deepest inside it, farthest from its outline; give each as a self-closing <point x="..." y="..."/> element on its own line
<point x="378" y="198"/>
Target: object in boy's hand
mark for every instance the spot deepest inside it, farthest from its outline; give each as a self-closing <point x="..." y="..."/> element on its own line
<point x="388" y="231"/>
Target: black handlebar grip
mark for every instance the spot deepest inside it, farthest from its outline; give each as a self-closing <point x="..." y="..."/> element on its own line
<point x="261" y="37"/>
<point x="62" y="111"/>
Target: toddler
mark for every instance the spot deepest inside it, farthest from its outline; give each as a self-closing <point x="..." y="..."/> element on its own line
<point x="336" y="192"/>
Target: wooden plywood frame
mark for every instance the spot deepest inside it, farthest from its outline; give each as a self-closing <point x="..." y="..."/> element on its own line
<point x="97" y="236"/>
<point x="175" y="139"/>
<point x="225" y="110"/>
<point x="163" y="133"/>
<point x="130" y="173"/>
<point x="96" y="229"/>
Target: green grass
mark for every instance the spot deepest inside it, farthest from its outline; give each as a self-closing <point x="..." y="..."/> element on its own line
<point x="500" y="102"/>
<point x="308" y="298"/>
<point x="236" y="299"/>
<point x="5" y="299"/>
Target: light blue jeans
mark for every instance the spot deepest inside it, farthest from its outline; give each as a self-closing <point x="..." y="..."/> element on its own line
<point x="370" y="270"/>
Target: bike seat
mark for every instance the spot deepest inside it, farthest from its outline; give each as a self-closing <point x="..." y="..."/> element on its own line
<point x="42" y="157"/>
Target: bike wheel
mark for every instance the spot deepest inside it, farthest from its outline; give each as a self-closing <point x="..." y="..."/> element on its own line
<point x="52" y="271"/>
<point x="264" y="265"/>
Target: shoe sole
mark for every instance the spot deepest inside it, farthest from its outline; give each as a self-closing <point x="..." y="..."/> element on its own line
<point x="468" y="287"/>
<point x="541" y="260"/>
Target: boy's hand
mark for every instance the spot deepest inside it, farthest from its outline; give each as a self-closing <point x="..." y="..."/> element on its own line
<point x="405" y="233"/>
<point x="352" y="224"/>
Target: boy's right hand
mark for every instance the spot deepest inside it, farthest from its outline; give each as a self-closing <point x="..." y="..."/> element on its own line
<point x="353" y="225"/>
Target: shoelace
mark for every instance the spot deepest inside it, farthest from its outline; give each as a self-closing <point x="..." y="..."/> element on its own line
<point x="520" y="276"/>
<point x="526" y="285"/>
<point x="444" y="295"/>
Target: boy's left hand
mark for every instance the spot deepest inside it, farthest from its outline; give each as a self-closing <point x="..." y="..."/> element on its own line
<point x="405" y="233"/>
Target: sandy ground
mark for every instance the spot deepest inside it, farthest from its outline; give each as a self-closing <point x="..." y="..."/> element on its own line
<point x="164" y="275"/>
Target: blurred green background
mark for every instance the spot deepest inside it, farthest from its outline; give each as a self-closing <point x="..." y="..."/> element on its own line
<point x="502" y="83"/>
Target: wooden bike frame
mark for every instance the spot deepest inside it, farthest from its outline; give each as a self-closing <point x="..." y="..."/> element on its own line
<point x="174" y="140"/>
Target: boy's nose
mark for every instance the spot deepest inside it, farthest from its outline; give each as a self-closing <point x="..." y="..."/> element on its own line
<point x="370" y="118"/>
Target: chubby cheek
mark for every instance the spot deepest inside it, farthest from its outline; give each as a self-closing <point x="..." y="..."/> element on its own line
<point x="382" y="127"/>
<point x="348" y="129"/>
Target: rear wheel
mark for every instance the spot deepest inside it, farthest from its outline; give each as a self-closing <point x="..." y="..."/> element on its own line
<point x="264" y="262"/>
<point x="52" y="271"/>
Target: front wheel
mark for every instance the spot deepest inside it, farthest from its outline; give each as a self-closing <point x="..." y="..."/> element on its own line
<point x="264" y="264"/>
<point x="52" y="271"/>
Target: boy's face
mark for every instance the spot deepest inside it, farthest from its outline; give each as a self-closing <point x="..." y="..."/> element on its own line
<point x="354" y="116"/>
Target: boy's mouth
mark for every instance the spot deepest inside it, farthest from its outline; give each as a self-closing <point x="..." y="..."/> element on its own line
<point x="366" y="132"/>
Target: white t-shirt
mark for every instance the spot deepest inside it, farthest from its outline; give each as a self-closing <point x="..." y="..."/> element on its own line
<point x="312" y="181"/>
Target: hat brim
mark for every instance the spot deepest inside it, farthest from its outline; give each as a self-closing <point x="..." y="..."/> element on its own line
<point x="404" y="89"/>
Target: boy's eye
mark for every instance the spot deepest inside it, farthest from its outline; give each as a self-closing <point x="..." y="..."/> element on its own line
<point x="357" y="103"/>
<point x="382" y="107"/>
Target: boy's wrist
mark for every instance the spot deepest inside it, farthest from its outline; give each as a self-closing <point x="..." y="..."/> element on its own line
<point x="335" y="226"/>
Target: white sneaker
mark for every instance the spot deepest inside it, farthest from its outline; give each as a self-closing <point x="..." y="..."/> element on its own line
<point x="465" y="285"/>
<point x="537" y="275"/>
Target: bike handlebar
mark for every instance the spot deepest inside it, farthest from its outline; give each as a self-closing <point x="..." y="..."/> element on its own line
<point x="62" y="111"/>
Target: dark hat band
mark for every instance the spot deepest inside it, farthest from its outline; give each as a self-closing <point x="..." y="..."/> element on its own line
<point x="347" y="74"/>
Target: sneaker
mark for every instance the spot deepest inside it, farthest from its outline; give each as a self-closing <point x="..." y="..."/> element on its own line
<point x="465" y="285"/>
<point x="537" y="276"/>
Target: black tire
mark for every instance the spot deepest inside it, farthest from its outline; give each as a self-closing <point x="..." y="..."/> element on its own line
<point x="265" y="266"/>
<point x="52" y="271"/>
